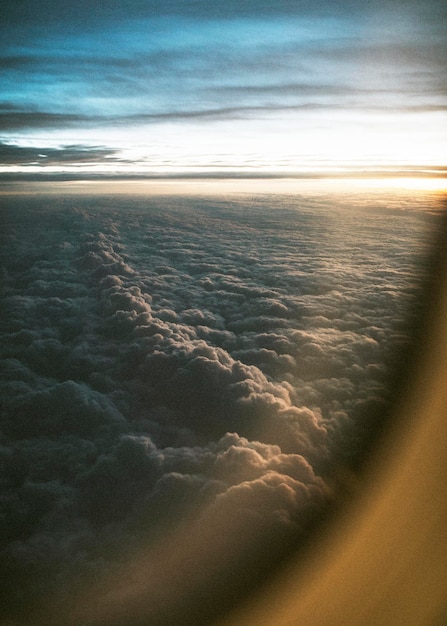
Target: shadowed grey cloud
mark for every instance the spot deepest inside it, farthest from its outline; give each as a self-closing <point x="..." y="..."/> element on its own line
<point x="20" y="119"/>
<point x="22" y="155"/>
<point x="178" y="356"/>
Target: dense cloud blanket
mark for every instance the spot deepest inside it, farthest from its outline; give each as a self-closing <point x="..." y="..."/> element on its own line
<point x="166" y="357"/>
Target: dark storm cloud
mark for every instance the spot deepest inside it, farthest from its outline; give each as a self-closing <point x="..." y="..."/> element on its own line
<point x="176" y="356"/>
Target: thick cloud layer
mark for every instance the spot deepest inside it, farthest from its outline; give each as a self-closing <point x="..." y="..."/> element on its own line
<point x="171" y="357"/>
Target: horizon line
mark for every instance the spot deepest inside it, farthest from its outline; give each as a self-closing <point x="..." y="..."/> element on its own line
<point x="430" y="172"/>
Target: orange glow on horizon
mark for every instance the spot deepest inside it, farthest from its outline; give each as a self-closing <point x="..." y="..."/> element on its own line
<point x="199" y="186"/>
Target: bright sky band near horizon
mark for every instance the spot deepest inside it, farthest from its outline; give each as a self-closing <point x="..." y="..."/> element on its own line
<point x="197" y="88"/>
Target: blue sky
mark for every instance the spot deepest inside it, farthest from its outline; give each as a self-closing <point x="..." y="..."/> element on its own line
<point x="190" y="88"/>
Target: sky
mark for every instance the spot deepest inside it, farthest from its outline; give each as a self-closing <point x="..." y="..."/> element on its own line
<point x="198" y="88"/>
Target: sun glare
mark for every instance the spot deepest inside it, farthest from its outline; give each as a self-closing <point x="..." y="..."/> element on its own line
<point x="404" y="183"/>
<point x="211" y="186"/>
